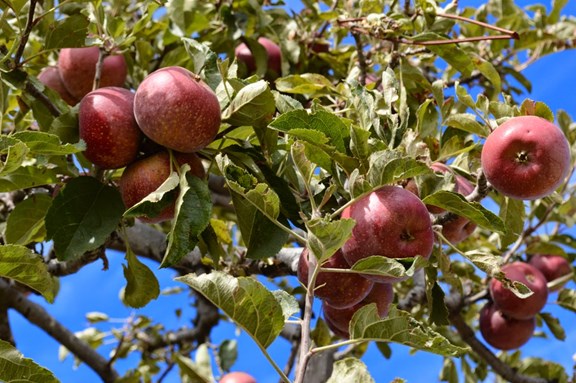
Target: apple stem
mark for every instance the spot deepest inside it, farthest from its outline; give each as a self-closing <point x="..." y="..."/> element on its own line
<point x="99" y="63"/>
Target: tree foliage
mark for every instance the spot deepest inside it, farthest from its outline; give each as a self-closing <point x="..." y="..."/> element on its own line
<point x="371" y="94"/>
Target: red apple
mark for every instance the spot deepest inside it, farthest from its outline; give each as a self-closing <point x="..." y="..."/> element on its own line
<point x="552" y="266"/>
<point x="50" y="76"/>
<point x="339" y="318"/>
<point x="513" y="306"/>
<point x="107" y="126"/>
<point x="237" y="377"/>
<point x="502" y="332"/>
<point x="337" y="289"/>
<point x="526" y="157"/>
<point x="78" y="67"/>
<point x="144" y="176"/>
<point x="391" y="222"/>
<point x="244" y="54"/>
<point x="176" y="109"/>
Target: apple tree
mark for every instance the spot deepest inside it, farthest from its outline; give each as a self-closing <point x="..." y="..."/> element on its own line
<point x="377" y="162"/>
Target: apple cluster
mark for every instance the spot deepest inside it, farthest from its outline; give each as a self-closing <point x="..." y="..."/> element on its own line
<point x="390" y="222"/>
<point x="171" y="110"/>
<point x="507" y="321"/>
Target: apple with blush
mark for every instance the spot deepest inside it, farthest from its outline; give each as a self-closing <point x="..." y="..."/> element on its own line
<point x="237" y="377"/>
<point x="340" y="290"/>
<point x="552" y="266"/>
<point x="274" y="58"/>
<point x="50" y="77"/>
<point x="502" y="332"/>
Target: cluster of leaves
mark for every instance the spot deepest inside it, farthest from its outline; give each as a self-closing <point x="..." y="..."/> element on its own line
<point x="291" y="152"/>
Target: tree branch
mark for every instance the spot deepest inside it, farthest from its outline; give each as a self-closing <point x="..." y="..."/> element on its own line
<point x="5" y="330"/>
<point x="37" y="315"/>
<point x="26" y="33"/>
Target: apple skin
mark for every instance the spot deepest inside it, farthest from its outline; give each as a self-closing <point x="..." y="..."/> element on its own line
<point x="50" y="76"/>
<point x="526" y="157"/>
<point x="177" y="110"/>
<point x="340" y="290"/>
<point x="238" y="377"/>
<point x="107" y="125"/>
<point x="144" y="176"/>
<point x="552" y="266"/>
<point x="391" y="222"/>
<point x="513" y="306"/>
<point x="78" y="67"/>
<point x="502" y="332"/>
<point x="244" y="54"/>
<point x="339" y="319"/>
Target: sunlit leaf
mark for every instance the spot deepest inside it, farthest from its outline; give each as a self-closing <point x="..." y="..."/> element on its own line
<point x="350" y="370"/>
<point x="141" y="283"/>
<point x="25" y="223"/>
<point x="18" y="369"/>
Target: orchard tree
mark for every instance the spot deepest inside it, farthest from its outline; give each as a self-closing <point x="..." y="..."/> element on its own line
<point x="382" y="151"/>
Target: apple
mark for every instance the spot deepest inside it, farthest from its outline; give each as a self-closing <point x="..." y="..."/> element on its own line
<point x="244" y="55"/>
<point x="513" y="306"/>
<point x="391" y="222"/>
<point x="78" y="67"/>
<point x="177" y="110"/>
<point x="237" y="377"/>
<point x="144" y="176"/>
<point x="526" y="157"/>
<point x="107" y="126"/>
<point x="50" y="76"/>
<point x="552" y="266"/>
<point x="337" y="289"/>
<point x="502" y="332"/>
<point x="339" y="318"/>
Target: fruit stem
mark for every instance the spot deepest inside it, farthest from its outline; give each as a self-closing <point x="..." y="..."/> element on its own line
<point x="99" y="63"/>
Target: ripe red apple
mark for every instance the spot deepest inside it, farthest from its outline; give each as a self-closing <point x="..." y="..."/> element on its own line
<point x="339" y="318"/>
<point x="107" y="125"/>
<point x="337" y="289"/>
<point x="244" y="54"/>
<point x="50" y="76"/>
<point x="513" y="306"/>
<point x="526" y="157"/>
<point x="237" y="377"/>
<point x="391" y="222"/>
<point x="552" y="266"/>
<point x="78" y="67"/>
<point x="176" y="109"/>
<point x="144" y="176"/>
<point x="502" y="332"/>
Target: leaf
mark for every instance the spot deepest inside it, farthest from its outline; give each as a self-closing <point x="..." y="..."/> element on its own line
<point x="438" y="309"/>
<point x="17" y="369"/>
<point x="512" y="212"/>
<point x="350" y="370"/>
<point x="252" y="104"/>
<point x="326" y="237"/>
<point x="155" y="202"/>
<point x="228" y="353"/>
<point x="310" y="84"/>
<point x="23" y="265"/>
<point x="536" y="108"/>
<point x="25" y="224"/>
<point x="26" y="177"/>
<point x="192" y="216"/>
<point x="567" y="299"/>
<point x="141" y="283"/>
<point x="244" y="300"/>
<point x="387" y="167"/>
<point x="82" y="216"/>
<point x="13" y="152"/>
<point x="467" y="122"/>
<point x="544" y="369"/>
<point x="289" y="305"/>
<point x="389" y="267"/>
<point x="487" y="262"/>
<point x="191" y="370"/>
<point x="487" y="69"/>
<point x="400" y="327"/>
<point x="475" y="212"/>
<point x="553" y="325"/>
<point x="204" y="59"/>
<point x="47" y="143"/>
<point x="68" y="32"/>
<point x="427" y="122"/>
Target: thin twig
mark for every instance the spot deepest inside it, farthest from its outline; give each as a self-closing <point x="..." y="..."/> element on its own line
<point x="361" y="57"/>
<point x="26" y="33"/>
<point x="512" y="34"/>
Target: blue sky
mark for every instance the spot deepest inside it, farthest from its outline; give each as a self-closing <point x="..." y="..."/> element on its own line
<point x="554" y="81"/>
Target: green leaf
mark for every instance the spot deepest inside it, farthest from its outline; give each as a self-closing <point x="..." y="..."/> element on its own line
<point x="427" y="122"/>
<point x="244" y="300"/>
<point x="26" y="177"/>
<point x="289" y="305"/>
<point x="141" y="283"/>
<point x="488" y="263"/>
<point x="204" y="59"/>
<point x="553" y="325"/>
<point x="467" y="122"/>
<point x="23" y="265"/>
<point x="192" y="216"/>
<point x="438" y="309"/>
<point x="487" y="69"/>
<point x="544" y="369"/>
<point x="47" y="143"/>
<point x="252" y="105"/>
<point x="326" y="237"/>
<point x="82" y="217"/>
<point x="68" y="32"/>
<point x="513" y="213"/>
<point x="464" y="97"/>
<point x="13" y="152"/>
<point x="191" y="370"/>
<point x="400" y="327"/>
<point x="388" y="167"/>
<point x="310" y="84"/>
<point x="154" y="203"/>
<point x="25" y="224"/>
<point x="475" y="212"/>
<point x="228" y="353"/>
<point x="389" y="267"/>
<point x="567" y="299"/>
<point x="350" y="370"/>
<point x="536" y="108"/>
<point x="17" y="369"/>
